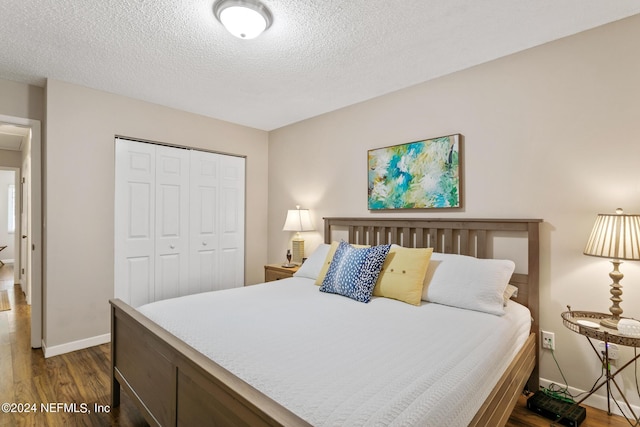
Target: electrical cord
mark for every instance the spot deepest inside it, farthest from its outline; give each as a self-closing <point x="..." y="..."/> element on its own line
<point x="623" y="414"/>
<point x="554" y="390"/>
<point x="617" y="403"/>
<point x="562" y="393"/>
<point x="635" y="368"/>
<point x="602" y="374"/>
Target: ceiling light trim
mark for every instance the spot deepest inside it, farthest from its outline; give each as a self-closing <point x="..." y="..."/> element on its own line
<point x="220" y="6"/>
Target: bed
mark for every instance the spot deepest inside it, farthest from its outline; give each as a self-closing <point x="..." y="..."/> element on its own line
<point x="176" y="382"/>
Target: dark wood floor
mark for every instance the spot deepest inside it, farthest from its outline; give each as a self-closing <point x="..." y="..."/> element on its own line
<point x="28" y="379"/>
<point x="521" y="416"/>
<point x="82" y="378"/>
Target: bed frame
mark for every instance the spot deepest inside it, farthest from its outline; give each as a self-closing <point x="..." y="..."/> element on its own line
<point x="173" y="384"/>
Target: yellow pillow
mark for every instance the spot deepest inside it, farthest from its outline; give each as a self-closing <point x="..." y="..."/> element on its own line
<point x="329" y="258"/>
<point x="402" y="275"/>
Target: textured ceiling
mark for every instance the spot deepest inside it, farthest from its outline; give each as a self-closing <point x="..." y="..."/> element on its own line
<point x="318" y="56"/>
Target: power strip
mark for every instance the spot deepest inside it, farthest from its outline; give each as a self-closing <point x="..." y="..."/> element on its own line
<point x="565" y="413"/>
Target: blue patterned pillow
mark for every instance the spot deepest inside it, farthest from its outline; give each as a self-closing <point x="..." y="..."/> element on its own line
<point x="353" y="271"/>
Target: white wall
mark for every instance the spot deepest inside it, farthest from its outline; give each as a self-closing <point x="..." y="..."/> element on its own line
<point x="6" y="238"/>
<point x="551" y="133"/>
<point x="79" y="199"/>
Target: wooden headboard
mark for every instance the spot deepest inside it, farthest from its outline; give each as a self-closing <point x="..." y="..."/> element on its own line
<point x="471" y="237"/>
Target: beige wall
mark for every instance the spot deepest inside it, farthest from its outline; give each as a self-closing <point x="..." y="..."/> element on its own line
<point x="23" y="105"/>
<point x="549" y="133"/>
<point x="552" y="133"/>
<point x="10" y="158"/>
<point x="21" y="100"/>
<point x="79" y="182"/>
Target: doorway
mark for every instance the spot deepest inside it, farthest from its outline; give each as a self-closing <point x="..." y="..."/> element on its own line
<point x="25" y="141"/>
<point x="8" y="206"/>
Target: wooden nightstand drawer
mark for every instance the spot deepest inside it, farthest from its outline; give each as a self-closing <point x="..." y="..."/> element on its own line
<point x="276" y="272"/>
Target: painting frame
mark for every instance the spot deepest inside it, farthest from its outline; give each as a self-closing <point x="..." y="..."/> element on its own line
<point x="424" y="174"/>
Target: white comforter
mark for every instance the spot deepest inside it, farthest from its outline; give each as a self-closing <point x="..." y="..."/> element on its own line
<point x="338" y="362"/>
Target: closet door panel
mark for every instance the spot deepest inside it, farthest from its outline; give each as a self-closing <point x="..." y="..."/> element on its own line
<point x="172" y="222"/>
<point x="169" y="276"/>
<point x="232" y="220"/>
<point x="206" y="277"/>
<point x="139" y="279"/>
<point x="204" y="224"/>
<point x="134" y="226"/>
<point x="179" y="222"/>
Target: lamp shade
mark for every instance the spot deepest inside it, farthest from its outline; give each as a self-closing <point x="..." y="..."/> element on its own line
<point x="298" y="220"/>
<point x="615" y="236"/>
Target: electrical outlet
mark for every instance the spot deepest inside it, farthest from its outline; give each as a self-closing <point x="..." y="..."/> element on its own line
<point x="613" y="350"/>
<point x="548" y="340"/>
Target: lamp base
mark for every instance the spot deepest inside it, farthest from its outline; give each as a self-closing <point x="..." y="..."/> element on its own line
<point x="297" y="249"/>
<point x="616" y="296"/>
<point x="610" y="323"/>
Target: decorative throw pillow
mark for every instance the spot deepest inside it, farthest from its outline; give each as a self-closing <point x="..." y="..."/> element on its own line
<point x="312" y="266"/>
<point x="353" y="271"/>
<point x="402" y="275"/>
<point x="510" y="292"/>
<point x="329" y="258"/>
<point x="467" y="282"/>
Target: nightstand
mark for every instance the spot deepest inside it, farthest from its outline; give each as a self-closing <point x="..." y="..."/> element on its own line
<point x="277" y="271"/>
<point x="587" y="323"/>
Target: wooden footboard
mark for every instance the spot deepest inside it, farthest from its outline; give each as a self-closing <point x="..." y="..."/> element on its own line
<point x="173" y="384"/>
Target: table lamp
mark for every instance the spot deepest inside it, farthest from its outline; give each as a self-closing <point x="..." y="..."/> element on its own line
<point x="298" y="220"/>
<point x="615" y="236"/>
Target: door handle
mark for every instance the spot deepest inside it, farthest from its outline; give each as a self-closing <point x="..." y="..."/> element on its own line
<point x="24" y="236"/>
<point x="172" y="247"/>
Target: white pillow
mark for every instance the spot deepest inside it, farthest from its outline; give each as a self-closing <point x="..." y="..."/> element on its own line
<point x="312" y="266"/>
<point x="467" y="282"/>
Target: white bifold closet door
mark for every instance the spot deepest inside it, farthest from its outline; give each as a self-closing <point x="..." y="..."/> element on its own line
<point x="171" y="249"/>
<point x="179" y="222"/>
<point x="216" y="251"/>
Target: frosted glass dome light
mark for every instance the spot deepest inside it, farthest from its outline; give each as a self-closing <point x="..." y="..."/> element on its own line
<point x="245" y="19"/>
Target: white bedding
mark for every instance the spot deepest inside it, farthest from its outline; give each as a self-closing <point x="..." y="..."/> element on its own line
<point x="338" y="362"/>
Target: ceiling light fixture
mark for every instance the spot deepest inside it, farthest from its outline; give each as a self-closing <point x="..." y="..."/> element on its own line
<point x="245" y="19"/>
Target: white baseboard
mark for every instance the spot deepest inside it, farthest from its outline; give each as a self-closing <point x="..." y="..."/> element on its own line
<point x="57" y="350"/>
<point x="596" y="400"/>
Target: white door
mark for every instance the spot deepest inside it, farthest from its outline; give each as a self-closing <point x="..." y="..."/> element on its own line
<point x="204" y="223"/>
<point x="135" y="206"/>
<point x="172" y="222"/>
<point x="232" y="184"/>
<point x="179" y="222"/>
<point x="25" y="241"/>
<point x="217" y="222"/>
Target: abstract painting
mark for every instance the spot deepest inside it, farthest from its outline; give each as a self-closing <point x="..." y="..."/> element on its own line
<point x="416" y="175"/>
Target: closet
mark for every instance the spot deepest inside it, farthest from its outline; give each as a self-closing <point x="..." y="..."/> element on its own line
<point x="179" y="221"/>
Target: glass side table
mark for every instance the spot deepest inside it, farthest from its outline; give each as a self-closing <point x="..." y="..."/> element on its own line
<point x="587" y="323"/>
